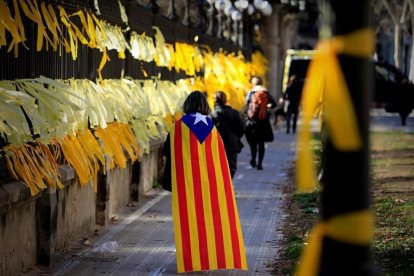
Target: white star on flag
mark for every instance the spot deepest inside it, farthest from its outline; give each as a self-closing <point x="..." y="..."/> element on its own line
<point x="199" y="117"/>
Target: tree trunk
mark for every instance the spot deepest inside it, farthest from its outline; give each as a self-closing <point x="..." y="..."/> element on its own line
<point x="411" y="73"/>
<point x="411" y="14"/>
<point x="397" y="39"/>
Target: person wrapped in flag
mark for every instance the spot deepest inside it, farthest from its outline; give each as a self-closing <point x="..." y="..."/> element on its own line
<point x="207" y="229"/>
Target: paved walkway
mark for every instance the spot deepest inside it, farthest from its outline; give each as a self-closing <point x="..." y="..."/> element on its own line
<point x="145" y="234"/>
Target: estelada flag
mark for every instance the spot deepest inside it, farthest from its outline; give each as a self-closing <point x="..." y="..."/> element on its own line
<point x="207" y="229"/>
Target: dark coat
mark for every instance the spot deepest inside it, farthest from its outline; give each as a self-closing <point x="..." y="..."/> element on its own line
<point x="294" y="93"/>
<point x="230" y="126"/>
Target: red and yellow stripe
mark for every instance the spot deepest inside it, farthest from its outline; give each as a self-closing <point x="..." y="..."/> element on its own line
<point x="207" y="229"/>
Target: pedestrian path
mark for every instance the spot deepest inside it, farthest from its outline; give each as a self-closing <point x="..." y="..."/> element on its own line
<point x="144" y="233"/>
<point x="384" y="121"/>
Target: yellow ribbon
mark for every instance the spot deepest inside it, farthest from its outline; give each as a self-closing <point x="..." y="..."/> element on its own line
<point x="89" y="29"/>
<point x="12" y="25"/>
<point x="51" y="24"/>
<point x="73" y="40"/>
<point x="353" y="228"/>
<point x="104" y="59"/>
<point x="325" y="83"/>
<point x="34" y="14"/>
<point x="78" y="32"/>
<point x="91" y="32"/>
<point x="100" y="26"/>
<point x="99" y="43"/>
<point x="55" y="23"/>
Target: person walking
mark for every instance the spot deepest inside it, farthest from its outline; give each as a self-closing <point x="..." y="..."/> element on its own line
<point x="230" y="126"/>
<point x="258" y="128"/>
<point x="255" y="81"/>
<point x="292" y="99"/>
<point x="207" y="229"/>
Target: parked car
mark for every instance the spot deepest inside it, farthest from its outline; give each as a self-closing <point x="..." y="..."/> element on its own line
<point x="296" y="63"/>
<point x="392" y="89"/>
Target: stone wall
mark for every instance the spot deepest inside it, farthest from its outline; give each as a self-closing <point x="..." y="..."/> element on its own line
<point x="120" y="180"/>
<point x="150" y="168"/>
<point x="76" y="212"/>
<point x="17" y="229"/>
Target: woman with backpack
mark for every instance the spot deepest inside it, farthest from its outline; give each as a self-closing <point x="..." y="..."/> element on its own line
<point x="258" y="128"/>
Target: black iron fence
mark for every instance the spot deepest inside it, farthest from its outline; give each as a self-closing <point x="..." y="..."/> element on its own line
<point x="60" y="65"/>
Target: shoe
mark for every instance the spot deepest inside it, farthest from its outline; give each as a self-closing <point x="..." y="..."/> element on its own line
<point x="253" y="163"/>
<point x="260" y="167"/>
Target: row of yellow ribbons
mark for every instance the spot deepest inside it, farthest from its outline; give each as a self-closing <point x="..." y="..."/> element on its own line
<point x="36" y="164"/>
<point x="60" y="112"/>
<point x="52" y="25"/>
<point x="124" y="115"/>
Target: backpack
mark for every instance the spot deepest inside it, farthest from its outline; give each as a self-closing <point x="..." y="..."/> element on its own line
<point x="258" y="106"/>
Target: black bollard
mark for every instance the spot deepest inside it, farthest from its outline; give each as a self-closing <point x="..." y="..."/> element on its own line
<point x="346" y="182"/>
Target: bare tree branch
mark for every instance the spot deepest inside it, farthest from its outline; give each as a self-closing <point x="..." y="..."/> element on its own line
<point x="388" y="8"/>
<point x="404" y="11"/>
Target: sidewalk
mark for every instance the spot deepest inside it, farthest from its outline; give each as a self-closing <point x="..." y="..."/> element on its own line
<point x="144" y="233"/>
<point x="383" y="121"/>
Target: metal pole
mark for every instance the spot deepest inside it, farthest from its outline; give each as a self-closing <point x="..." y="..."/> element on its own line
<point x="347" y="173"/>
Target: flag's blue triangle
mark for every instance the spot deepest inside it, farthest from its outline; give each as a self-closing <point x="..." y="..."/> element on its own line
<point x="198" y="124"/>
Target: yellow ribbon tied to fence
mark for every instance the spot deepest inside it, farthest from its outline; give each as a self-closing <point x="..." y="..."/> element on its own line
<point x="325" y="85"/>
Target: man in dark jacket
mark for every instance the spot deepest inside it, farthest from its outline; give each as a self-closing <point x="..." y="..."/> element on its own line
<point x="292" y="99"/>
<point x="230" y="126"/>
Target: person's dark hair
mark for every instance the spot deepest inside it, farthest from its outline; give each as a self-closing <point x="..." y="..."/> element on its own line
<point x="196" y="102"/>
<point x="256" y="80"/>
<point x="220" y="98"/>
